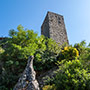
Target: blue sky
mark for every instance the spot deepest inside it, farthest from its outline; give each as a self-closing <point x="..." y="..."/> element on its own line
<point x="31" y="13"/>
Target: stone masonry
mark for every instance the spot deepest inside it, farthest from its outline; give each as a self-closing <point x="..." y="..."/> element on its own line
<point x="54" y="27"/>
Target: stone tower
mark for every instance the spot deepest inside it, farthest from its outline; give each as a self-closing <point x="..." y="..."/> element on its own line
<point x="54" y="27"/>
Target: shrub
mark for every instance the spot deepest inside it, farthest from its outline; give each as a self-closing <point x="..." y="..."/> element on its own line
<point x="80" y="47"/>
<point x="84" y="53"/>
<point x="1" y="50"/>
<point x="72" y="76"/>
<point x="45" y="60"/>
<point x="84" y="50"/>
<point x="68" y="53"/>
<point x="49" y="87"/>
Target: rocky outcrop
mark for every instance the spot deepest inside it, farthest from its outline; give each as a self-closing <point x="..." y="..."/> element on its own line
<point x="28" y="79"/>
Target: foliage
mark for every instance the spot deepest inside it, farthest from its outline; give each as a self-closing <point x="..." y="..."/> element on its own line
<point x="49" y="87"/>
<point x="68" y="53"/>
<point x="72" y="76"/>
<point x="80" y="47"/>
<point x="18" y="47"/>
<point x="1" y="50"/>
<point x="84" y="53"/>
<point x="46" y="59"/>
<point x="15" y="50"/>
<point x="84" y="50"/>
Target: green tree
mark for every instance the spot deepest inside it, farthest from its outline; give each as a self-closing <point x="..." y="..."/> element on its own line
<point x="18" y="46"/>
<point x="47" y="58"/>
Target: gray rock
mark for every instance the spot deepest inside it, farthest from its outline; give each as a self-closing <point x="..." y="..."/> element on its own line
<point x="28" y="79"/>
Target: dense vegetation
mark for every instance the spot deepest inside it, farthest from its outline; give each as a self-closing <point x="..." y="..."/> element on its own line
<point x="15" y="50"/>
<point x="73" y="61"/>
<point x="74" y="69"/>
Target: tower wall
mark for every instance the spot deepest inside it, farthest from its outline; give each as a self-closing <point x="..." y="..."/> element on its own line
<point x="45" y="27"/>
<point x="54" y="27"/>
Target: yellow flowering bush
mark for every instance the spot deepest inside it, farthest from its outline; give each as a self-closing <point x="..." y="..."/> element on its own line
<point x="69" y="53"/>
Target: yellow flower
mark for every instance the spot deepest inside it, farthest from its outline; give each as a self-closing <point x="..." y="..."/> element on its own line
<point x="75" y="49"/>
<point x="65" y="48"/>
<point x="76" y="52"/>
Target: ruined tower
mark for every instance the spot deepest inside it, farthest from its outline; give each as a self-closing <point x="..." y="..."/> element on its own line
<point x="54" y="27"/>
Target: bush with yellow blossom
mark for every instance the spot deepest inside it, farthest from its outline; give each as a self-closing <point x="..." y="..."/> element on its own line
<point x="69" y="53"/>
